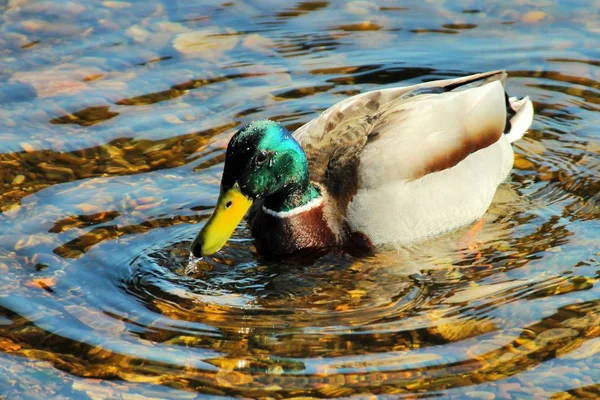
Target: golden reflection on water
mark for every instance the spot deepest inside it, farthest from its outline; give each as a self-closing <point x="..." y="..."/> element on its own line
<point x="114" y="122"/>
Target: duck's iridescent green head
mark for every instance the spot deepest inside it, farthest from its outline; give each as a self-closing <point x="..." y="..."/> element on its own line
<point x="262" y="161"/>
<point x="263" y="158"/>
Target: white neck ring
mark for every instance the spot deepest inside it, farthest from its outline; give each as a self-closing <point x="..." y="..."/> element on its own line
<point x="314" y="203"/>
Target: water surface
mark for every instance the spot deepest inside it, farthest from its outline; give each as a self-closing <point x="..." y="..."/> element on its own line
<point x="114" y="121"/>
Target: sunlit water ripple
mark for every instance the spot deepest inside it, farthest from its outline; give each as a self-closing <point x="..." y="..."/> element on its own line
<point x="115" y="117"/>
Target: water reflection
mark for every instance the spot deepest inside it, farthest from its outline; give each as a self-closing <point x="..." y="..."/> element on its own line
<point x="86" y="117"/>
<point x="114" y="122"/>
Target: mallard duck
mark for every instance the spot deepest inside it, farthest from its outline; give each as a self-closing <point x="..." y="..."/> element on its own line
<point x="388" y="166"/>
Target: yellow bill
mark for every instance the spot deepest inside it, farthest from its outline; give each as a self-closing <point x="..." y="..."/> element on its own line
<point x="231" y="208"/>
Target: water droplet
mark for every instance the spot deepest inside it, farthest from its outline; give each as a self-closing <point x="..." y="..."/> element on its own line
<point x="192" y="264"/>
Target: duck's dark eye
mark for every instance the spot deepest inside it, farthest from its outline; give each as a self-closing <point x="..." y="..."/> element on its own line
<point x="229" y="203"/>
<point x="262" y="157"/>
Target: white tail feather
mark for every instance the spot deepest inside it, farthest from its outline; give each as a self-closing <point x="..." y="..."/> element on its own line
<point x="522" y="120"/>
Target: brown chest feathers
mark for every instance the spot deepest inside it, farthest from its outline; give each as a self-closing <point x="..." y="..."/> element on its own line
<point x="313" y="229"/>
<point x="291" y="232"/>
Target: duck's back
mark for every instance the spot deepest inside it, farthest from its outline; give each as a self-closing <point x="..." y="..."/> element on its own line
<point x="403" y="164"/>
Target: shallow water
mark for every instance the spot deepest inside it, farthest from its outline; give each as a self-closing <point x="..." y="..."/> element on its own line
<point x="114" y="120"/>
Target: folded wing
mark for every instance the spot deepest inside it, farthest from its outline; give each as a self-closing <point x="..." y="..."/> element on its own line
<point x="402" y="133"/>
